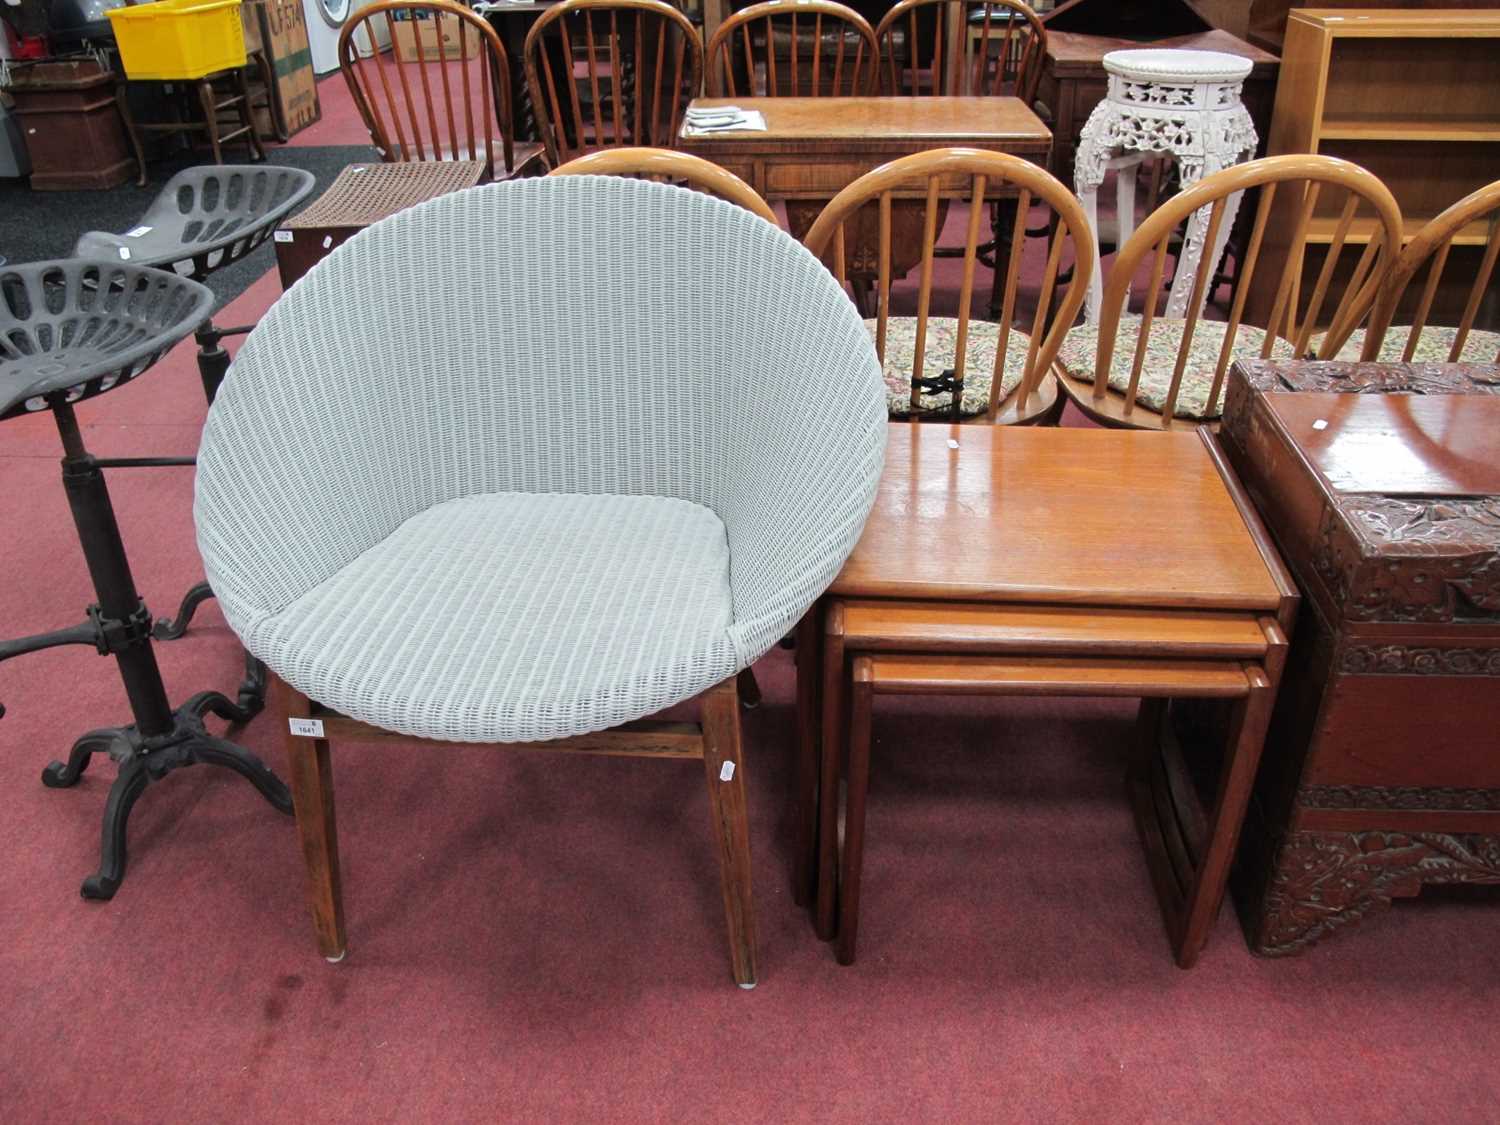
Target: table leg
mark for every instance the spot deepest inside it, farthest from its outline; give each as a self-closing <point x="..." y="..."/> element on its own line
<point x="831" y="751"/>
<point x="861" y="701"/>
<point x="1247" y="736"/>
<point x="805" y="791"/>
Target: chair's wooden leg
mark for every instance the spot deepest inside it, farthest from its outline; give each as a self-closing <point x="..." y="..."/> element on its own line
<point x="122" y="103"/>
<point x="861" y="700"/>
<point x="210" y="117"/>
<point x="1246" y="738"/>
<point x="312" y="797"/>
<point x="805" y="793"/>
<point x="247" y="115"/>
<point x="749" y="689"/>
<point x="831" y="750"/>
<point x="725" y="771"/>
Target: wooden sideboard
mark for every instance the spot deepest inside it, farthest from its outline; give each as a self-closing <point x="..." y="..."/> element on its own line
<point x="1381" y="486"/>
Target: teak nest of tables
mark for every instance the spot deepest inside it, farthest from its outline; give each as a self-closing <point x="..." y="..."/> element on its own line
<point x="1018" y="561"/>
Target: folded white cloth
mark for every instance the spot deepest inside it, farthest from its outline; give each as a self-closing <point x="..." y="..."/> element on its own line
<point x="727" y="119"/>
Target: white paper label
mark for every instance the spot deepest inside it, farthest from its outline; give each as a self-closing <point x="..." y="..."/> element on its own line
<point x="307" y="728"/>
<point x="952" y="443"/>
<point x="137" y="232"/>
<point x="726" y="772"/>
<point x="282" y="236"/>
<point x="1320" y="424"/>
<point x="125" y="253"/>
<point x="327" y="241"/>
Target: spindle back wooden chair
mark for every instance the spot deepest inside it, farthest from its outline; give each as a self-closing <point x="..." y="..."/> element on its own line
<point x="792" y="48"/>
<point x="984" y="370"/>
<point x="631" y="67"/>
<point x="997" y="47"/>
<point x="666" y="166"/>
<point x="1474" y="224"/>
<point x="1159" y="372"/>
<point x="428" y="102"/>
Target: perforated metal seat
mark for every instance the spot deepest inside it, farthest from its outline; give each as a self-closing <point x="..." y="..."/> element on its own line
<point x="82" y="327"/>
<point x="205" y="218"/>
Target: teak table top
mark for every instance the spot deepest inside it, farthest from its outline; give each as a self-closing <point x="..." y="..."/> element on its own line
<point x="1071" y="516"/>
<point x="895" y="126"/>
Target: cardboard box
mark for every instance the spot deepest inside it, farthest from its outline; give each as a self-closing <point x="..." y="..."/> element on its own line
<point x="284" y="34"/>
<point x="434" y="36"/>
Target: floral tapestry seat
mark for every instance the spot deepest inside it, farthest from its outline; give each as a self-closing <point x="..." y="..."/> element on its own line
<point x="1079" y="349"/>
<point x="941" y="351"/>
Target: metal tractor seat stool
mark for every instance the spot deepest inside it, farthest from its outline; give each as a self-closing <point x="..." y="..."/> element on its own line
<point x="204" y="219"/>
<point x="70" y="330"/>
<point x="427" y="551"/>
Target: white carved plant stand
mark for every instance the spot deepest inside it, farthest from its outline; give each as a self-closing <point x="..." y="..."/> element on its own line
<point x="1183" y="104"/>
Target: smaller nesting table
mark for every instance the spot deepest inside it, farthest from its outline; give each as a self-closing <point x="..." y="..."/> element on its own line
<point x="361" y="195"/>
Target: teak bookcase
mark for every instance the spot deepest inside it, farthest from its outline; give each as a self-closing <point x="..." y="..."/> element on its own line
<point x="1414" y="96"/>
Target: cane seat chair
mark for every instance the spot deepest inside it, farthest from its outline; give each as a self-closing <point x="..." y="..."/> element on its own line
<point x="611" y="73"/>
<point x="1002" y="44"/>
<point x="427" y="549"/>
<point x="1472" y="223"/>
<point x="441" y="103"/>
<point x="665" y="166"/>
<point x="792" y="48"/>
<point x="961" y="367"/>
<point x="1156" y="372"/>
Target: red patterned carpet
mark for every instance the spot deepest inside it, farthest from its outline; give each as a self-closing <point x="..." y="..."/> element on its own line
<point x="537" y="939"/>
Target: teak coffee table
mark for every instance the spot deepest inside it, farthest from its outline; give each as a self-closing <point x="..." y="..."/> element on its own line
<point x="1050" y="562"/>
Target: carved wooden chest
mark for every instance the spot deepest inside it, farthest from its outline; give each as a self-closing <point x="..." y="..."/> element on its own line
<point x="1381" y="485"/>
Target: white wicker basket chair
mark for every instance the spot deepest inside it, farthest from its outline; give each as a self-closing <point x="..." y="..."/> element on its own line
<point x="524" y="488"/>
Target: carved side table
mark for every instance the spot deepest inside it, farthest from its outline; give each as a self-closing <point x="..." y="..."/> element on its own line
<point x="1183" y="104"/>
<point x="1381" y="484"/>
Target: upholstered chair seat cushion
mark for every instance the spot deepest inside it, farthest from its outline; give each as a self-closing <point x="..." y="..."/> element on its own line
<point x="459" y="616"/>
<point x="941" y="353"/>
<point x="1433" y="345"/>
<point x="1078" y="353"/>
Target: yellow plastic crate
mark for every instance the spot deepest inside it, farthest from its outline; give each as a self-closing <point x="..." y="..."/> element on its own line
<point x="179" y="38"/>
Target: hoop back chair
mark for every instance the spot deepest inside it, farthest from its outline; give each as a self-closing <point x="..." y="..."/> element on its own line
<point x="794" y="48"/>
<point x="665" y="166"/>
<point x="1003" y="44"/>
<point x="427" y="551"/>
<point x="611" y="73"/>
<point x="451" y="108"/>
<point x="969" y="368"/>
<point x="1473" y="221"/>
<point x="1158" y="372"/>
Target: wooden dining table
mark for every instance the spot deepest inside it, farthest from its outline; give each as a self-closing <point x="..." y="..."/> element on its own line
<point x="1059" y="562"/>
<point x="812" y="148"/>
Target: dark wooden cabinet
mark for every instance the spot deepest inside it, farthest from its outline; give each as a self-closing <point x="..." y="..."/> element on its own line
<point x="1381" y="485"/>
<point x="1081" y="32"/>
